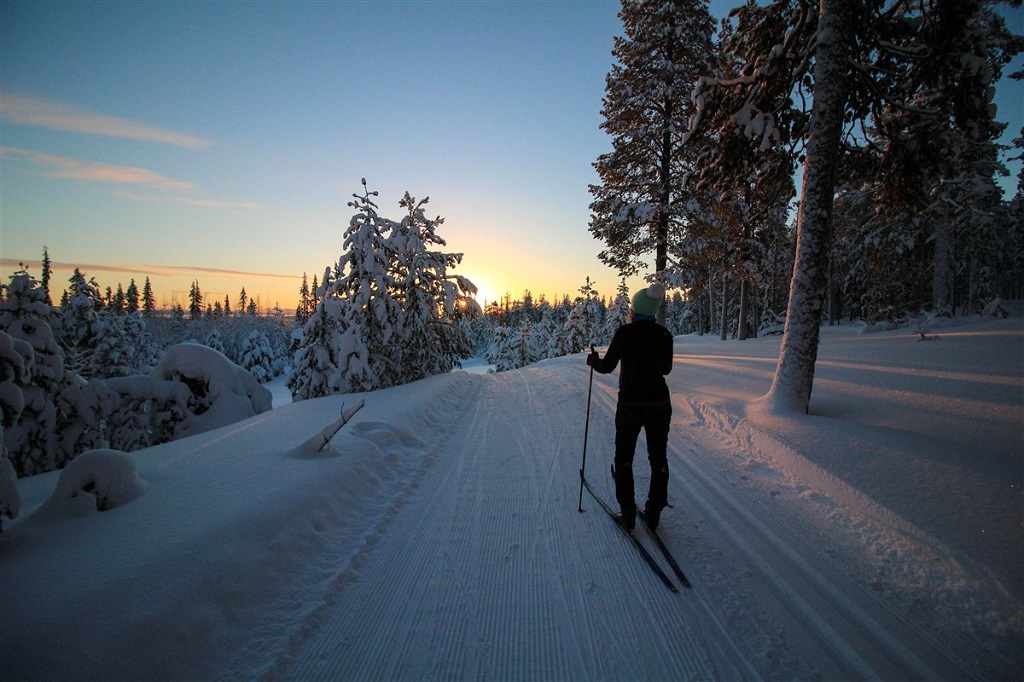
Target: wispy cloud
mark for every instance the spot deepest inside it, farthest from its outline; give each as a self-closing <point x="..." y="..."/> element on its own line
<point x="35" y="111"/>
<point x="141" y="270"/>
<point x="171" y="191"/>
<point x="191" y="201"/>
<point x="67" y="168"/>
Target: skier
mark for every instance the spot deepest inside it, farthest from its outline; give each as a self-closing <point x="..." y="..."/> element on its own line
<point x="645" y="349"/>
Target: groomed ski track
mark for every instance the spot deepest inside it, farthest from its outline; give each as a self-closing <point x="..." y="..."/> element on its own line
<point x="480" y="567"/>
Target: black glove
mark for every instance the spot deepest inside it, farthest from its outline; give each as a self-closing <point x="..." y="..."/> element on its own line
<point x="592" y="358"/>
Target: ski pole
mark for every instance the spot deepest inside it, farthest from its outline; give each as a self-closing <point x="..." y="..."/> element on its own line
<point x="586" y="430"/>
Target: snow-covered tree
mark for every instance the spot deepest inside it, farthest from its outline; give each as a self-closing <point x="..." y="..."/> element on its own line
<point x="641" y="200"/>
<point x="520" y="347"/>
<point x="618" y="312"/>
<point x="131" y="298"/>
<point x="195" y="301"/>
<point x="307" y="301"/>
<point x="388" y="309"/>
<point x="31" y="439"/>
<point x="429" y="296"/>
<point x="15" y="359"/>
<point x="864" y="65"/>
<point x="258" y="356"/>
<point x="148" y="299"/>
<point x="46" y="275"/>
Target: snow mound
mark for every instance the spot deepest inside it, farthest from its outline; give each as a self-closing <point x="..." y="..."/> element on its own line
<point x="96" y="481"/>
<point x="223" y="393"/>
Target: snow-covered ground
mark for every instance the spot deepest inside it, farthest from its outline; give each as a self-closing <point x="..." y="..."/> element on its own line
<point x="438" y="536"/>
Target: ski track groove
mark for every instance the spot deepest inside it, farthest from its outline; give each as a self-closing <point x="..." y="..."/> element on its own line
<point x="864" y="636"/>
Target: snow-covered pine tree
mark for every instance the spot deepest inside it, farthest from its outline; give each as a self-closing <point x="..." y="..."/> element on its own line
<point x="307" y="301"/>
<point x="315" y="366"/>
<point x="618" y="312"/>
<point x="78" y="327"/>
<point x="641" y="203"/>
<point x="148" y="299"/>
<point x="257" y="356"/>
<point x="31" y="439"/>
<point x="195" y="301"/>
<point x="46" y="275"/>
<point x="368" y="312"/>
<point x="428" y="295"/>
<point x="131" y="298"/>
<point x="497" y="346"/>
<point x="522" y="347"/>
<point x="15" y="358"/>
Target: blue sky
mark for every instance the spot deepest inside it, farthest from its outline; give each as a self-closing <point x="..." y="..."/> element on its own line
<point x="223" y="141"/>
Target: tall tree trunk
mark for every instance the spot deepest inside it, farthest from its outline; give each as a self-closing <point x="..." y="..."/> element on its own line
<point x="941" y="272"/>
<point x="661" y="246"/>
<point x="741" y="331"/>
<point x="794" y="375"/>
<point x="725" y="307"/>
<point x="711" y="301"/>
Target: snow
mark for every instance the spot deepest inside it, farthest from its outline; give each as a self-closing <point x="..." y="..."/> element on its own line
<point x="437" y="534"/>
<point x="224" y="392"/>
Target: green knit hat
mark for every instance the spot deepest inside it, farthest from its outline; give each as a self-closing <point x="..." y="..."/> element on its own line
<point x="646" y="301"/>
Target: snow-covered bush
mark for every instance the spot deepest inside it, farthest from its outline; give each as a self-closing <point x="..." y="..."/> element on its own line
<point x="146" y="411"/>
<point x="96" y="480"/>
<point x="222" y="393"/>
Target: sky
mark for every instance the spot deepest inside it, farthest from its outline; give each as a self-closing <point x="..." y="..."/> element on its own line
<point x="221" y="142"/>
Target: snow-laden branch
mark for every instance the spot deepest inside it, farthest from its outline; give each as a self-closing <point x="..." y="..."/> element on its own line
<point x="318" y="442"/>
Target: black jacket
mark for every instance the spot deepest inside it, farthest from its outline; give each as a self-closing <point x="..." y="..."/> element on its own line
<point x="645" y="349"/>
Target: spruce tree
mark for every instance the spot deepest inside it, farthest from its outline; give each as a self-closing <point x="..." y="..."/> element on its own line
<point x="428" y="296"/>
<point x="148" y="300"/>
<point x="46" y="275"/>
<point x="195" y="301"/>
<point x="131" y="298"/>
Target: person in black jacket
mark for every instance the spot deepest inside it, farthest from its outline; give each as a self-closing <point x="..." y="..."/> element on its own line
<point x="644" y="348"/>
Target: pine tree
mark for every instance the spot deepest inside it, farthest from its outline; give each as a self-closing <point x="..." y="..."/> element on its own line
<point x="618" y="312"/>
<point x="306" y="303"/>
<point x="47" y="274"/>
<point x="79" y="327"/>
<point x="148" y="300"/>
<point x="195" y="301"/>
<point x="31" y="439"/>
<point x="369" y="313"/>
<point x="428" y="296"/>
<point x="131" y="298"/>
<point x="641" y="202"/>
<point x="315" y="366"/>
<point x="257" y="356"/>
<point x="863" y="66"/>
<point x="243" y="302"/>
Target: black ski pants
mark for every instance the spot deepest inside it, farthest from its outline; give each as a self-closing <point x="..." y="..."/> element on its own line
<point x="655" y="419"/>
